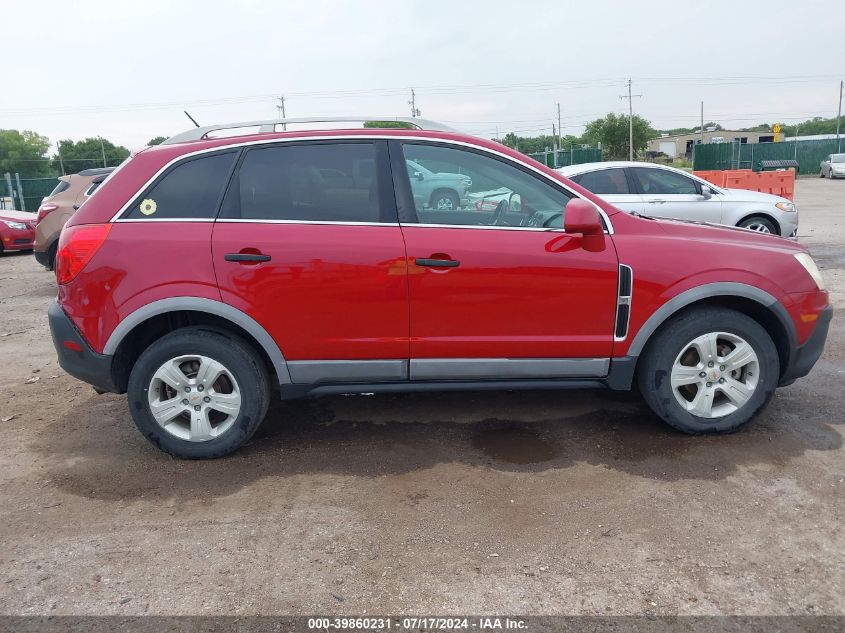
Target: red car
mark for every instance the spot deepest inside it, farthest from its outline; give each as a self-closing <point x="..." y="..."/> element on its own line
<point x="207" y="271"/>
<point x="17" y="231"/>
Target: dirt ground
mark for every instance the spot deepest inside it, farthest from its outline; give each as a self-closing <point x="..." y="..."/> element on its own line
<point x="525" y="503"/>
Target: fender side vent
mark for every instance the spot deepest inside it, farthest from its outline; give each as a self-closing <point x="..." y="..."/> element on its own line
<point x="623" y="302"/>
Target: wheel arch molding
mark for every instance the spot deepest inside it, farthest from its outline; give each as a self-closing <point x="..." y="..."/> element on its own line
<point x="208" y="306"/>
<point x="786" y="340"/>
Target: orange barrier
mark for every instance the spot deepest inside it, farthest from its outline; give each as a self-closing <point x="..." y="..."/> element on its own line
<point x="779" y="183"/>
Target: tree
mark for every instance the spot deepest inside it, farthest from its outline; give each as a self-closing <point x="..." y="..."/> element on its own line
<point x="158" y="140"/>
<point x="815" y="125"/>
<point x="25" y="153"/>
<point x="534" y="144"/>
<point x="612" y="133"/>
<point x="389" y="124"/>
<point x="79" y="155"/>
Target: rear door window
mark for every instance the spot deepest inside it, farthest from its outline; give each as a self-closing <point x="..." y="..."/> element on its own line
<point x="655" y="181"/>
<point x="190" y="190"/>
<point x="318" y="182"/>
<point x="605" y="181"/>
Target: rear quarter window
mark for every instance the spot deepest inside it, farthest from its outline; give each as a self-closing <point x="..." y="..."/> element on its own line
<point x="62" y="186"/>
<point x="189" y="190"/>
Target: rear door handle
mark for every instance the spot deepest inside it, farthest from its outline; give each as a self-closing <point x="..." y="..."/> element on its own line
<point x="246" y="257"/>
<point x="438" y="263"/>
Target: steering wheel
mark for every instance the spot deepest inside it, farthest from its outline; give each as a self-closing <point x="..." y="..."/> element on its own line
<point x="543" y="219"/>
<point x="499" y="213"/>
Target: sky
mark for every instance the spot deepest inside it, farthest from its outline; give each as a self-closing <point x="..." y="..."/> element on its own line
<point x="125" y="71"/>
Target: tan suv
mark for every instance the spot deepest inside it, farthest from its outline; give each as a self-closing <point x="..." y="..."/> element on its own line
<point x="57" y="208"/>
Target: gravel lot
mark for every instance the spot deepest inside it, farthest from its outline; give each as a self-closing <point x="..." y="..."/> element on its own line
<point x="529" y="503"/>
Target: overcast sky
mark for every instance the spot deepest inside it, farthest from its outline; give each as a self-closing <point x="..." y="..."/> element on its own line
<point x="126" y="70"/>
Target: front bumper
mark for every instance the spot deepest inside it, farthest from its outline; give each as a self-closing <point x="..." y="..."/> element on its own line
<point x="806" y="355"/>
<point x="18" y="240"/>
<point x="75" y="355"/>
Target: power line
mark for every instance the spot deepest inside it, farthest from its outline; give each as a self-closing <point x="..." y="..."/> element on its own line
<point x="432" y="90"/>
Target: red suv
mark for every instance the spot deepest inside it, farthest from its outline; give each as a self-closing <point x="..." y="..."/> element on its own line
<point x="207" y="271"/>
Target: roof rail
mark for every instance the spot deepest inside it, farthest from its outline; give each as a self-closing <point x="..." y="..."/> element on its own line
<point x="269" y="125"/>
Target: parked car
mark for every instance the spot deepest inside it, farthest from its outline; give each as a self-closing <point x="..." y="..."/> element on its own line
<point x="62" y="203"/>
<point x="666" y="192"/>
<point x="833" y="166"/>
<point x="436" y="190"/>
<point x="207" y="270"/>
<point x="17" y="230"/>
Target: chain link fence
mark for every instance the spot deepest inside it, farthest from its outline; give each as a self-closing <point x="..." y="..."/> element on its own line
<point x="25" y="194"/>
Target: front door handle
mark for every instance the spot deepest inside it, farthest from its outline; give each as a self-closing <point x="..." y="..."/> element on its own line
<point x="246" y="257"/>
<point x="437" y="263"/>
<point x="657" y="202"/>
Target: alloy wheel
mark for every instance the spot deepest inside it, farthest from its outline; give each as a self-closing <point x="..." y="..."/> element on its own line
<point x="715" y="374"/>
<point x="194" y="398"/>
<point x="444" y="203"/>
<point x="759" y="227"/>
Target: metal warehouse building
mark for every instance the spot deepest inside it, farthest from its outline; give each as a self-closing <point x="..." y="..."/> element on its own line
<point x="681" y="145"/>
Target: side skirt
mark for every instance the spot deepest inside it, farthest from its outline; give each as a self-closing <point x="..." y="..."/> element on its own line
<point x="292" y="391"/>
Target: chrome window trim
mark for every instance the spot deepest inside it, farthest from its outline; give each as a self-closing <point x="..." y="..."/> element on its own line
<point x="485" y="227"/>
<point x="142" y="220"/>
<point x="333" y="222"/>
<point x="338" y="137"/>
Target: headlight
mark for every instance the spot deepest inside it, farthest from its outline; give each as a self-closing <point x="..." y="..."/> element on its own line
<point x="810" y="266"/>
<point x="15" y="225"/>
<point x="786" y="206"/>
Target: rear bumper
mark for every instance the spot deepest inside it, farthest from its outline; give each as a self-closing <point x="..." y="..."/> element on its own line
<point x="42" y="257"/>
<point x="806" y="355"/>
<point x="75" y="355"/>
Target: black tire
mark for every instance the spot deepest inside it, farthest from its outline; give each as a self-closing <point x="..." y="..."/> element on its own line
<point x="236" y="355"/>
<point x="51" y="256"/>
<point x="654" y="368"/>
<point x="445" y="194"/>
<point x="759" y="220"/>
<point x="821" y="173"/>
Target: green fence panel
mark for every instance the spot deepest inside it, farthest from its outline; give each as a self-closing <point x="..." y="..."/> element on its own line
<point x="566" y="157"/>
<point x="35" y="189"/>
<point x="748" y="155"/>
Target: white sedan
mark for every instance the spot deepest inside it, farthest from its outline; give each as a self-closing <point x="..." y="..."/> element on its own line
<point x="665" y="192"/>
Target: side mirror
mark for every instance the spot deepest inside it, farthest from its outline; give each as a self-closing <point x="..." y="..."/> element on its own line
<point x="418" y="175"/>
<point x="581" y="216"/>
<point x="706" y="192"/>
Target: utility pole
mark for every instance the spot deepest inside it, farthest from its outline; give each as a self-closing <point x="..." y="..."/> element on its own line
<point x="415" y="112"/>
<point x="630" y="99"/>
<point x="702" y="123"/>
<point x="59" y="152"/>
<point x="103" y="150"/>
<point x="838" y="117"/>
<point x="559" y="130"/>
<point x="281" y="110"/>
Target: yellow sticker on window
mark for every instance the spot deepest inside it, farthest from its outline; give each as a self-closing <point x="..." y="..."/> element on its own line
<point x="148" y="206"/>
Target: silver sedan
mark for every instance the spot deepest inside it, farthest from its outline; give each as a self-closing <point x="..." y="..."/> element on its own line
<point x="666" y="192"/>
<point x="833" y="166"/>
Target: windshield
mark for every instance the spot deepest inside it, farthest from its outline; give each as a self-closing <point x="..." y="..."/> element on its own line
<point x="837" y="158"/>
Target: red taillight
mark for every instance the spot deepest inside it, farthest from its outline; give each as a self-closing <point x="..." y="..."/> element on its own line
<point x="43" y="210"/>
<point x="77" y="246"/>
